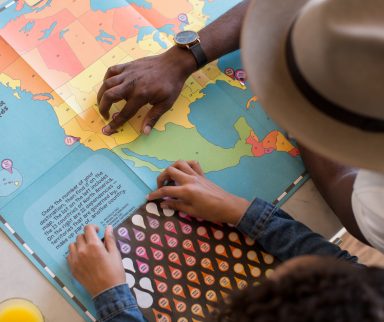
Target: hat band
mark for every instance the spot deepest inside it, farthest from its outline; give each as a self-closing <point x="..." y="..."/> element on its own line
<point x="321" y="103"/>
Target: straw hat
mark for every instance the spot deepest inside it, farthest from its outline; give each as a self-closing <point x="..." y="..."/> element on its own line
<point x="318" y="68"/>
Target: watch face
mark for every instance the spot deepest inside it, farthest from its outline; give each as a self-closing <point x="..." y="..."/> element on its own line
<point x="186" y="37"/>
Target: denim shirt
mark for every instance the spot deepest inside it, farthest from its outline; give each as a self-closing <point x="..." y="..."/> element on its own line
<point x="273" y="229"/>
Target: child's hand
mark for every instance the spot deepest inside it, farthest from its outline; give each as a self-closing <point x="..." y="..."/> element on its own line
<point x="95" y="265"/>
<point x="196" y="195"/>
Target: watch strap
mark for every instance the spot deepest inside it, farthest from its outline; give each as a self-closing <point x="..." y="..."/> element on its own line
<point x="199" y="54"/>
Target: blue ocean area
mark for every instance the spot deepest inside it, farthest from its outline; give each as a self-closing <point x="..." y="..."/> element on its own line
<point x="104" y="5"/>
<point x="11" y="13"/>
<point x="216" y="114"/>
<point x="32" y="149"/>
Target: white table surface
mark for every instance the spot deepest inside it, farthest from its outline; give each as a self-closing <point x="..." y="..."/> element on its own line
<point x="19" y="278"/>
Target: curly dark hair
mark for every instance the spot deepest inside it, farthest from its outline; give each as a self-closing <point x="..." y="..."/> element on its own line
<point x="337" y="292"/>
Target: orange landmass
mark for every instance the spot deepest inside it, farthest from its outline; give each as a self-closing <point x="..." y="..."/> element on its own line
<point x="273" y="141"/>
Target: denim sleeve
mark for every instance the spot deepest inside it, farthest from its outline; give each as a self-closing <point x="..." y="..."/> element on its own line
<point x="117" y="305"/>
<point x="284" y="237"/>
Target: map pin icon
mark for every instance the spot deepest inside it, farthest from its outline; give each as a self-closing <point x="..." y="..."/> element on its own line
<point x="152" y="208"/>
<point x="7" y="165"/>
<point x="230" y="72"/>
<point x="183" y="18"/>
<point x="138" y="221"/>
<point x="240" y="76"/>
<point x="124" y="247"/>
<point x="142" y="252"/>
<point x="123" y="232"/>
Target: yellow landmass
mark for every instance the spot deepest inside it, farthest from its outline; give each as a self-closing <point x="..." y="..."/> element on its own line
<point x="8" y="81"/>
<point x="132" y="50"/>
<point x="195" y="16"/>
<point x="64" y="113"/>
<point x="91" y="76"/>
<point x="152" y="46"/>
<point x="116" y="56"/>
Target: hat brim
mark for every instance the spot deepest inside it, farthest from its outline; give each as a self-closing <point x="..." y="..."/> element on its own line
<point x="263" y="52"/>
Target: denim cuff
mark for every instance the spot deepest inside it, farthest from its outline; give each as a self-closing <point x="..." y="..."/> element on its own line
<point x="256" y="218"/>
<point x="113" y="301"/>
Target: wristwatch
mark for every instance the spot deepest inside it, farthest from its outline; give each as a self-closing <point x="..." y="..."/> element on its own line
<point x="190" y="40"/>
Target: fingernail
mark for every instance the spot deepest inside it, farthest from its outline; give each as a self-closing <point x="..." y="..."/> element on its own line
<point x="147" y="197"/>
<point x="147" y="130"/>
<point x="107" y="130"/>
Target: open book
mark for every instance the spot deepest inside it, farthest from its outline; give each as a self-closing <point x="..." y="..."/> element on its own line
<point x="59" y="171"/>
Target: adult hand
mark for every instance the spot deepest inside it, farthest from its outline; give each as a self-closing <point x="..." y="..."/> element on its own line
<point x="96" y="265"/>
<point x="157" y="80"/>
<point x="196" y="195"/>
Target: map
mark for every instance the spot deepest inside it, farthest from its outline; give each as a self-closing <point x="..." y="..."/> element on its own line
<point x="55" y="159"/>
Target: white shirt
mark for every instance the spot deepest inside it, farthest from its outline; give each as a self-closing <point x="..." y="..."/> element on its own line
<point x="368" y="206"/>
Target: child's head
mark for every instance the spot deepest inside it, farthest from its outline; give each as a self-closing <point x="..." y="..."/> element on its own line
<point x="311" y="288"/>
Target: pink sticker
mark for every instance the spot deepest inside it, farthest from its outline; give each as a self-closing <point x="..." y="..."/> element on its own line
<point x="183" y="18"/>
<point x="204" y="247"/>
<point x="188" y="245"/>
<point x="185" y="228"/>
<point x="155" y="239"/>
<point x="7" y="165"/>
<point x="174" y="258"/>
<point x="157" y="254"/>
<point x="230" y="72"/>
<point x="189" y="260"/>
<point x="171" y="241"/>
<point x="240" y="76"/>
<point x="170" y="226"/>
<point x="143" y="267"/>
<point x="71" y="140"/>
<point x="142" y="252"/>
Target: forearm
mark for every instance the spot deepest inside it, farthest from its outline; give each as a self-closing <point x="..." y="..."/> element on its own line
<point x="117" y="305"/>
<point x="335" y="183"/>
<point x="282" y="236"/>
<point x="220" y="37"/>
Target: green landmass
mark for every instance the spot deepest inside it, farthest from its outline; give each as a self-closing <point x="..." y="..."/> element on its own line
<point x="180" y="143"/>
